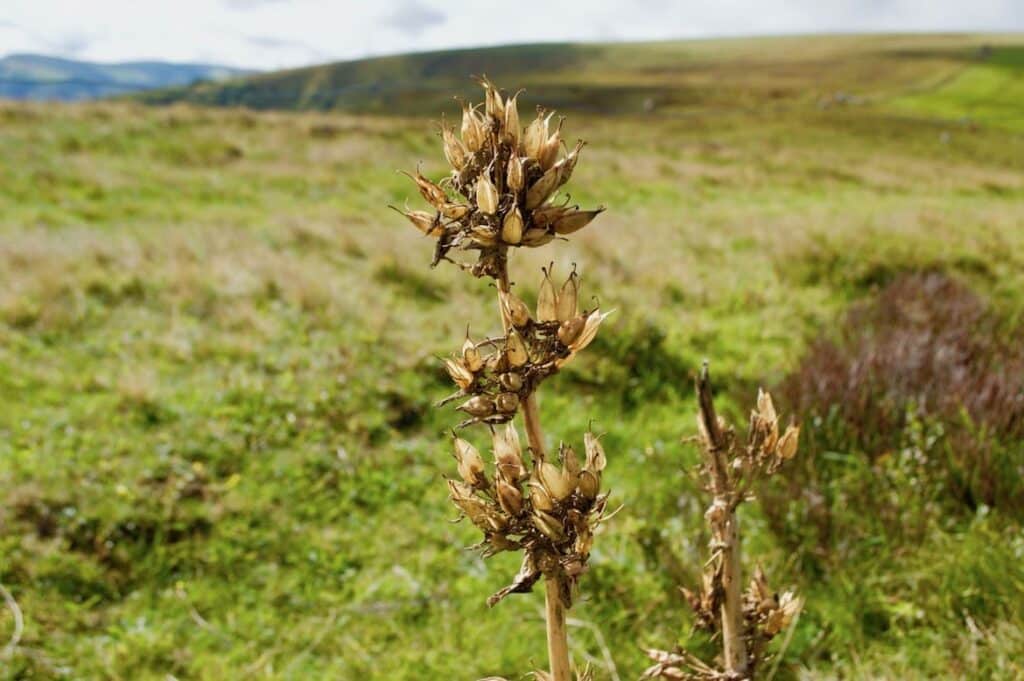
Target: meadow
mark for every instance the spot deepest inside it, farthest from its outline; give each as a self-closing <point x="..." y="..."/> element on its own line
<point x="219" y="454"/>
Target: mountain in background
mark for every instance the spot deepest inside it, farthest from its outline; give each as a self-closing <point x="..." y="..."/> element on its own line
<point x="960" y="76"/>
<point x="34" y="76"/>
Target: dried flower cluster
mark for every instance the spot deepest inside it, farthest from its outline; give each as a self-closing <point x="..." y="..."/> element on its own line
<point x="548" y="511"/>
<point x="745" y="622"/>
<point x="499" y="195"/>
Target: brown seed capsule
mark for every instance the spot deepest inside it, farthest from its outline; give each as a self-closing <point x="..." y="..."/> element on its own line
<point x="594" y="320"/>
<point x="549" y="150"/>
<point x="516" y="310"/>
<point x="507" y="403"/>
<point x="508" y="455"/>
<point x="548" y="525"/>
<point x="540" y="190"/>
<point x="584" y="542"/>
<point x="570" y="330"/>
<point x="492" y="100"/>
<point x="554" y="481"/>
<point x="459" y="373"/>
<point x="596" y="459"/>
<point x="471" y="355"/>
<point x="471" y="464"/>
<point x="575" y="220"/>
<point x="788" y="443"/>
<point x="570" y="466"/>
<point x="515" y="349"/>
<point x="545" y="216"/>
<point x="428" y="223"/>
<point x="589" y="484"/>
<point x="509" y="498"/>
<point x="432" y="193"/>
<point x="511" y="381"/>
<point x="547" y="300"/>
<point x="568" y="164"/>
<point x="512" y="227"/>
<point x="515" y="178"/>
<point x="484" y="235"/>
<point x="472" y="129"/>
<point x="567" y="297"/>
<point x="486" y="195"/>
<point x="478" y="406"/>
<point x="535" y="135"/>
<point x="454" y="149"/>
<point x="454" y="211"/>
<point x="539" y="497"/>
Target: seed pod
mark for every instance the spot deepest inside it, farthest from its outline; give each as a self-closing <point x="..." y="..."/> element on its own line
<point x="459" y="373"/>
<point x="515" y="178"/>
<point x="567" y="297"/>
<point x="786" y="448"/>
<point x="454" y="211"/>
<point x="471" y="355"/>
<point x="478" y="406"/>
<point x="575" y="220"/>
<point x="570" y="467"/>
<point x="556" y="484"/>
<point x="548" y="525"/>
<point x="515" y="349"/>
<point x="507" y="403"/>
<point x="545" y="216"/>
<point x="511" y="382"/>
<point x="547" y="300"/>
<point x="508" y="457"/>
<point x="486" y="195"/>
<point x="594" y="320"/>
<point x="471" y="465"/>
<point x="537" y="237"/>
<point x="568" y="164"/>
<point x="584" y="542"/>
<point x="570" y="330"/>
<point x="497" y="363"/>
<point x="536" y="135"/>
<point x="540" y="190"/>
<point x="549" y="150"/>
<point x="516" y="310"/>
<point x="492" y="100"/>
<point x="454" y="149"/>
<point x="473" y="508"/>
<point x="512" y="129"/>
<point x="432" y="193"/>
<point x="484" y="235"/>
<point x="589" y="484"/>
<point x="428" y="223"/>
<point x="509" y="498"/>
<point x="472" y="129"/>
<point x="512" y="227"/>
<point x="596" y="459"/>
<point x="539" y="497"/>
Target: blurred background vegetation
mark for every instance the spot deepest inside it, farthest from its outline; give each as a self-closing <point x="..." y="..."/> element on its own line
<point x="218" y="358"/>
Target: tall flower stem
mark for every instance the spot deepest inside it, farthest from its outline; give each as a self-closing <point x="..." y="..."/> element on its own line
<point x="558" y="641"/>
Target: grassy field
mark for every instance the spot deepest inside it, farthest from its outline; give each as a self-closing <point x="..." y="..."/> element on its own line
<point x="218" y="358"/>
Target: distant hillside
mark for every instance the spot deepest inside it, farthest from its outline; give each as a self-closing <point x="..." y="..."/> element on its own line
<point x="34" y="76"/>
<point x="960" y="74"/>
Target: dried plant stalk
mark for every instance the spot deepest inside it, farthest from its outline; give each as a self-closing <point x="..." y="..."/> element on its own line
<point x="504" y="179"/>
<point x="745" y="621"/>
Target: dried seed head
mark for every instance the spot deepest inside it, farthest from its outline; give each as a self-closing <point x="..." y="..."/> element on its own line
<point x="548" y="525"/>
<point x="509" y="498"/>
<point x="547" y="300"/>
<point x="471" y="355"/>
<point x="512" y="128"/>
<point x="515" y="178"/>
<point x="539" y="497"/>
<point x="472" y="128"/>
<point x="516" y="310"/>
<point x="459" y="373"/>
<point x="596" y="459"/>
<point x="589" y="484"/>
<point x="428" y="223"/>
<point x="567" y="297"/>
<point x="486" y="195"/>
<point x="454" y="149"/>
<point x="515" y="349"/>
<point x="471" y="465"/>
<point x="569" y="330"/>
<point x="478" y="406"/>
<point x="541" y="190"/>
<point x="507" y="403"/>
<point x="556" y="484"/>
<point x="512" y="227"/>
<point x="575" y="220"/>
<point x="511" y="381"/>
<point x="786" y="448"/>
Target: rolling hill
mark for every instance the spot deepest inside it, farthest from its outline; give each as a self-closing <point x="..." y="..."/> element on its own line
<point x="957" y="76"/>
<point x="35" y="76"/>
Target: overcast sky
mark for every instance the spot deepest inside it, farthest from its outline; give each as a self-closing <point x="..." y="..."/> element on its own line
<point x="271" y="34"/>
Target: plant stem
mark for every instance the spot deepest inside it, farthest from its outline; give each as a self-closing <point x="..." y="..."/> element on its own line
<point x="558" y="641"/>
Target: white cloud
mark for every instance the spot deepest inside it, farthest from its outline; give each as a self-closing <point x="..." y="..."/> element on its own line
<point x="278" y="33"/>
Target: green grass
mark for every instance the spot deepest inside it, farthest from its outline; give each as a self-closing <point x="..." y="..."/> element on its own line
<point x="218" y="359"/>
